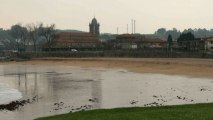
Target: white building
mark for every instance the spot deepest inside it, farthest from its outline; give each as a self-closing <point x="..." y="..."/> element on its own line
<point x="209" y="44"/>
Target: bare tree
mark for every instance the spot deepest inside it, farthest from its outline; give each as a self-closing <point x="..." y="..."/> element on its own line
<point x="33" y="31"/>
<point x="48" y="33"/>
<point x="20" y="34"/>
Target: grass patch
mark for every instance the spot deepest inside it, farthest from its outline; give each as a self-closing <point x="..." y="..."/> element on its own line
<point x="181" y="112"/>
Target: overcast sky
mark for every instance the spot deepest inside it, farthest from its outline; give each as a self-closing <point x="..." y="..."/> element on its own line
<point x="76" y="14"/>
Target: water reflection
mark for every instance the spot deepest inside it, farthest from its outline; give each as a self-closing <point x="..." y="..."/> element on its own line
<point x="61" y="89"/>
<point x="49" y="86"/>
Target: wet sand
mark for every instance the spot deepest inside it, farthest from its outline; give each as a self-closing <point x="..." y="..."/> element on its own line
<point x="176" y="66"/>
<point x="69" y="85"/>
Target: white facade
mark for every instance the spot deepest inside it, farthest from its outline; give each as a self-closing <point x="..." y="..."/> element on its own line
<point x="209" y="44"/>
<point x="129" y="46"/>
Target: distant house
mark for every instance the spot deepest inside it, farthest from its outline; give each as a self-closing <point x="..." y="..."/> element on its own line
<point x="73" y="40"/>
<point x="135" y="41"/>
<point x="128" y="41"/>
<point x="153" y="43"/>
<point x="191" y="45"/>
<point x="209" y="44"/>
<point x="198" y="44"/>
<point x="67" y="41"/>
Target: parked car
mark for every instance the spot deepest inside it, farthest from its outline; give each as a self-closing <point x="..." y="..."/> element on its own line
<point x="74" y="50"/>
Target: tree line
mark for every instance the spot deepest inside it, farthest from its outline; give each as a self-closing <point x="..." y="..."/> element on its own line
<point x="198" y="33"/>
<point x="19" y="36"/>
<point x="187" y="41"/>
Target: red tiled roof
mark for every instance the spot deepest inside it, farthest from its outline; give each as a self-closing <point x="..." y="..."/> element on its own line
<point x="129" y="37"/>
<point x="126" y="35"/>
<point x="77" y="34"/>
<point x="210" y="38"/>
<point x="205" y="38"/>
<point x="76" y="37"/>
<point x="154" y="40"/>
<point x="76" y="41"/>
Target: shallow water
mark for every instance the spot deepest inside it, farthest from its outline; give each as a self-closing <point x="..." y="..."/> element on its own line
<point x="61" y="89"/>
<point x="8" y="94"/>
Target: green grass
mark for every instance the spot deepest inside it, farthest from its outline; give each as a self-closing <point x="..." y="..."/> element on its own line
<point x="182" y="112"/>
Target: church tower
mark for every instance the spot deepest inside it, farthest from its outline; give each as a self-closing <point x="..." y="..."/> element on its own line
<point x="94" y="27"/>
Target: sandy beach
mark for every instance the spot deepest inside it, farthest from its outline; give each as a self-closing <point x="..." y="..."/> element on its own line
<point x="176" y="66"/>
<point x="59" y="85"/>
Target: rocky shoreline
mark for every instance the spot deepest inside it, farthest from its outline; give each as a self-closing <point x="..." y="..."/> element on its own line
<point x="14" y="105"/>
